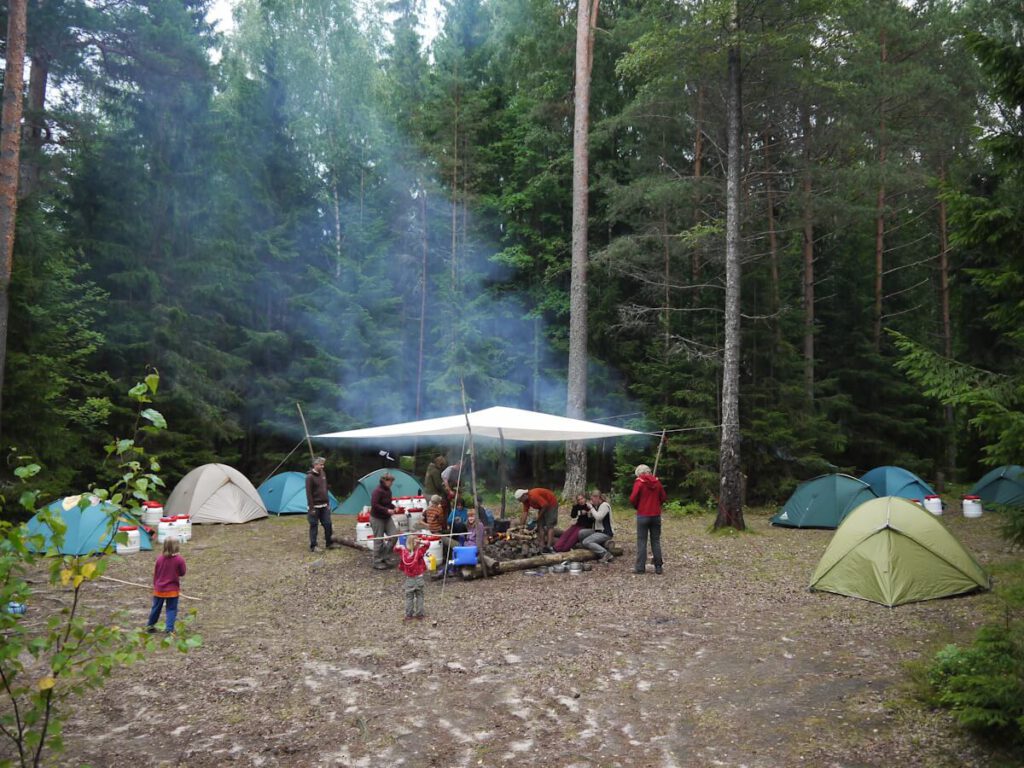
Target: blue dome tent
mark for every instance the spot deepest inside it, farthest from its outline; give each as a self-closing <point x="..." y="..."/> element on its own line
<point x="896" y="481"/>
<point x="89" y="529"/>
<point x="1004" y="485"/>
<point x="285" y="494"/>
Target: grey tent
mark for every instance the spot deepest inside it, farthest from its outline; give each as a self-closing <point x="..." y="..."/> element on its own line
<point x="215" y="493"/>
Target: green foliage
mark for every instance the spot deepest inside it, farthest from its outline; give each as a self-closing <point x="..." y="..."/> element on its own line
<point x="676" y="508"/>
<point x="45" y="668"/>
<point x="983" y="684"/>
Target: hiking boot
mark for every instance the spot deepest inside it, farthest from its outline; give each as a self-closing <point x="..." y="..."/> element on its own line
<point x="381" y="567"/>
<point x="639" y="570"/>
<point x="606" y="559"/>
<point x="151" y="629"/>
<point x="332" y="545"/>
<point x="657" y="569"/>
<point x="549" y="551"/>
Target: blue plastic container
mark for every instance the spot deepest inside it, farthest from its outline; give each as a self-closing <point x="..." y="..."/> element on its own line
<point x="464" y="555"/>
<point x="17" y="609"/>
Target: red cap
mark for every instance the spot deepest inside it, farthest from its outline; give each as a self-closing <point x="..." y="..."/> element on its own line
<point x="972" y="498"/>
<point x="127" y="527"/>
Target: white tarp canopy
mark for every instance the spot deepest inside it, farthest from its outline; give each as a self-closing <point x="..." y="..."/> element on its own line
<point x="497" y="422"/>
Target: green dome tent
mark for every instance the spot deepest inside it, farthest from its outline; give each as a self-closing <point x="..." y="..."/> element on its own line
<point x="891" y="551"/>
<point x="404" y="485"/>
<point x="285" y="494"/>
<point x="1004" y="485"/>
<point x="897" y="481"/>
<point x="823" y="502"/>
<point x="89" y="529"/>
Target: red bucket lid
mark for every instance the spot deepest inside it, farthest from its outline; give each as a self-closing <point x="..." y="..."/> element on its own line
<point x="168" y="519"/>
<point x="933" y="496"/>
<point x="180" y="517"/>
<point x="972" y="498"/>
<point x="152" y="504"/>
<point x="363" y="517"/>
<point x="127" y="527"/>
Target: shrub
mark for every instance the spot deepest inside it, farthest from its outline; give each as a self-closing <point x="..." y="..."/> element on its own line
<point x="44" y="667"/>
<point x="983" y="684"/>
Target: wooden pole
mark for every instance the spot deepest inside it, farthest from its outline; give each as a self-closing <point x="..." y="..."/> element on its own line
<point x="502" y="471"/>
<point x="657" y="457"/>
<point x="144" y="586"/>
<point x="305" y="430"/>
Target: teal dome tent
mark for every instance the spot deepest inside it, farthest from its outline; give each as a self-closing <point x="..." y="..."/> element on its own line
<point x="89" y="529"/>
<point x="285" y="494"/>
<point x="823" y="502"/>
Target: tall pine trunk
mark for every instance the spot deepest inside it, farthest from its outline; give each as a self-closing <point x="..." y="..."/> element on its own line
<point x="807" y="218"/>
<point x="880" y="214"/>
<point x="947" y="325"/>
<point x="730" y="500"/>
<point x="31" y="170"/>
<point x="10" y="151"/>
<point x="576" y="401"/>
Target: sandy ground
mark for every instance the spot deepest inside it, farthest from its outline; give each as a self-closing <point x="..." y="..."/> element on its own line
<point x="725" y="660"/>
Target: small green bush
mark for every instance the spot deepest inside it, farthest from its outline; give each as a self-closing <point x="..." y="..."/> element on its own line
<point x="983" y="684"/>
<point x="688" y="508"/>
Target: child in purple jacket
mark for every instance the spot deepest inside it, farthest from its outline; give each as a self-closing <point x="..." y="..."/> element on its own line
<point x="167" y="573"/>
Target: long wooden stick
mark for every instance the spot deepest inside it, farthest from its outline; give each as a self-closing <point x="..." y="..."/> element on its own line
<point x="305" y="429"/>
<point x="144" y="586"/>
<point x="657" y="458"/>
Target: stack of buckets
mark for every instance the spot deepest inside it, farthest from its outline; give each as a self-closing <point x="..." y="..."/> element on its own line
<point x="972" y="506"/>
<point x="363" y="529"/>
<point x="178" y="527"/>
<point x="410" y="512"/>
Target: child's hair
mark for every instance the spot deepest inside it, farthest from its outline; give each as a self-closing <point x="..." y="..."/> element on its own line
<point x="411" y="540"/>
<point x="171" y="546"/>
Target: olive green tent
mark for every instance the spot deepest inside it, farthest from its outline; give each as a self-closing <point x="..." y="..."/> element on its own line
<point x="1004" y="485"/>
<point x="823" y="502"/>
<point x="404" y="485"/>
<point x="891" y="551"/>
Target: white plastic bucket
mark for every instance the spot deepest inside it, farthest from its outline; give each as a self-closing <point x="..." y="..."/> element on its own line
<point x="401" y="521"/>
<point x="415" y="519"/>
<point x="184" y="527"/>
<point x="166" y="528"/>
<point x="133" y="543"/>
<point x="151" y="513"/>
<point x="972" y="506"/>
<point x="363" y="533"/>
<point x="933" y="504"/>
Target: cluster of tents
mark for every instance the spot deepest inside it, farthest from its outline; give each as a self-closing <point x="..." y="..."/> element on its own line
<point x="212" y="493"/>
<point x="887" y="548"/>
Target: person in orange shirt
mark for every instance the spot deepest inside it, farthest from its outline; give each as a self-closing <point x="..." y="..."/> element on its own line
<point x="546" y="504"/>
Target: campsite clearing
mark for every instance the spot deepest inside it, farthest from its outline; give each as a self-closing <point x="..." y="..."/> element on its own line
<point x="726" y="660"/>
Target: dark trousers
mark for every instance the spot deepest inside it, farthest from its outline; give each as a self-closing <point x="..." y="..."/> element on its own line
<point x="172" y="611"/>
<point x="648" y="527"/>
<point x="319" y="516"/>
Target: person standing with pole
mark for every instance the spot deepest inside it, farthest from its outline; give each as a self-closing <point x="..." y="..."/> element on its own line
<point x="318" y="504"/>
<point x="647" y="497"/>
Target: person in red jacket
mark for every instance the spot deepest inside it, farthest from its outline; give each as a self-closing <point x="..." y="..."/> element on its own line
<point x="546" y="504"/>
<point x="167" y="573"/>
<point x="648" y="495"/>
<point x="412" y="562"/>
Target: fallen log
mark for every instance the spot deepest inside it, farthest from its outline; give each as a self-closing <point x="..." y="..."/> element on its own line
<point x="349" y="543"/>
<point x="493" y="567"/>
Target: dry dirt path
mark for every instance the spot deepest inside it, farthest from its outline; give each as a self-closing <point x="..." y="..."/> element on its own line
<point x="726" y="660"/>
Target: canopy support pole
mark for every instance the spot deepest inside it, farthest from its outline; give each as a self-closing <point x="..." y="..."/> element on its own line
<point x="305" y="429"/>
<point x="502" y="470"/>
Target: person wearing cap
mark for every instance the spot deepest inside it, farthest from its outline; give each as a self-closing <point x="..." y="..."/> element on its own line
<point x="318" y="504"/>
<point x="546" y="504"/>
<point x="432" y="482"/>
<point x="647" y="497"/>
